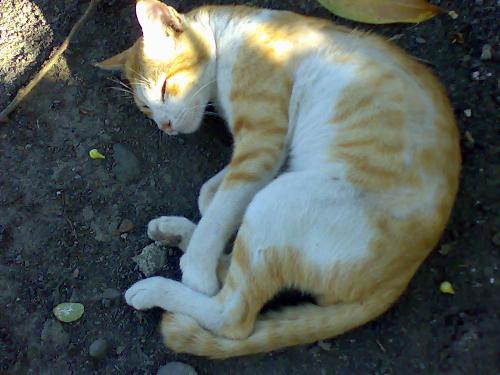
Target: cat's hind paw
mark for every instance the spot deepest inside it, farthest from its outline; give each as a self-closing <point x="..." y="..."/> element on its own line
<point x="171" y="230"/>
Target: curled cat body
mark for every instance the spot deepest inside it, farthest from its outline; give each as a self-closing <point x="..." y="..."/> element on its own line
<point x="344" y="171"/>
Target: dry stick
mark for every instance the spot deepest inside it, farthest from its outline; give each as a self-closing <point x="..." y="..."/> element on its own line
<point x="21" y="94"/>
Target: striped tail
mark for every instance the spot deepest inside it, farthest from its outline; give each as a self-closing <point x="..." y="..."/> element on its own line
<point x="291" y="326"/>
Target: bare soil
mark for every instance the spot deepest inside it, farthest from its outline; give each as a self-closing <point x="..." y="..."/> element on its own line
<point x="59" y="209"/>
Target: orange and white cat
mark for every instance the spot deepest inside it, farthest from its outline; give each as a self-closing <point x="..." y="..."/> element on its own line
<point x="345" y="168"/>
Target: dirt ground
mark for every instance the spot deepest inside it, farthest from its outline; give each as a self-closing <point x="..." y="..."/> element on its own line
<point x="59" y="209"/>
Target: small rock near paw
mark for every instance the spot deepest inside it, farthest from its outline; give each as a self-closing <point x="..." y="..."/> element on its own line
<point x="151" y="259"/>
<point x="176" y="368"/>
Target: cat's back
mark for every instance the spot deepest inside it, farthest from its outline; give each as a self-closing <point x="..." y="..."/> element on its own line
<point x="355" y="100"/>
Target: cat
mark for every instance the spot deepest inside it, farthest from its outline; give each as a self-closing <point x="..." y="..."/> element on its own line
<point x="344" y="171"/>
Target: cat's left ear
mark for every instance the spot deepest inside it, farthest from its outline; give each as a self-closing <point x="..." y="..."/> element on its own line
<point x="158" y="18"/>
<point x="116" y="62"/>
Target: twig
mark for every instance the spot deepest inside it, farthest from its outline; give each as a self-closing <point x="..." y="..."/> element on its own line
<point x="21" y="94"/>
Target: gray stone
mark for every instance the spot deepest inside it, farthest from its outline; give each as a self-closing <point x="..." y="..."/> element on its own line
<point x="99" y="348"/>
<point x="54" y="338"/>
<point x="125" y="226"/>
<point x="176" y="368"/>
<point x="151" y="259"/>
<point x="127" y="168"/>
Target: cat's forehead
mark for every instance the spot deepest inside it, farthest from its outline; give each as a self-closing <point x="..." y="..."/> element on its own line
<point x="141" y="68"/>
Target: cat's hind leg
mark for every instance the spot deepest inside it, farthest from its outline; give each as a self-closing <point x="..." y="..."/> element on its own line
<point x="231" y="313"/>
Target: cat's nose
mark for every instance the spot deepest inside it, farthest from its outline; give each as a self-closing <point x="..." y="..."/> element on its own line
<point x="166" y="126"/>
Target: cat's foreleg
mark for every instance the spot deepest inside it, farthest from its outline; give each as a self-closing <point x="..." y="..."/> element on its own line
<point x="256" y="160"/>
<point x="172" y="230"/>
<point x="209" y="189"/>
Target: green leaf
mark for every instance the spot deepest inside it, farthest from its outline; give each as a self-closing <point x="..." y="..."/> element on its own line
<point x="382" y="11"/>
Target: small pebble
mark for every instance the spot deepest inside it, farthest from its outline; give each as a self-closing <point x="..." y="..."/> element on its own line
<point x="468" y="137"/>
<point x="468" y="112"/>
<point x="486" y="52"/>
<point x="125" y="226"/>
<point x="453" y="15"/>
<point x="325" y="345"/>
<point x="120" y="349"/>
<point x="420" y="40"/>
<point x="99" y="348"/>
<point x="176" y="368"/>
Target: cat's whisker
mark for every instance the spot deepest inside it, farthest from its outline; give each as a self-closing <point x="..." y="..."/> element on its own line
<point x="202" y="87"/>
<point x="121" y="83"/>
<point x="129" y="93"/>
<point x="141" y="76"/>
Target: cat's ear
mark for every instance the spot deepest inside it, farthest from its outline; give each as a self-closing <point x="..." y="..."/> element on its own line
<point x="116" y="62"/>
<point x="158" y="19"/>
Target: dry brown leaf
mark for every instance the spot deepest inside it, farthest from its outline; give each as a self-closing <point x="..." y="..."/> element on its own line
<point x="382" y="11"/>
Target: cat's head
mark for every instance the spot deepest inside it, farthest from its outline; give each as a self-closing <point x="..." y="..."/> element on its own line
<point x="169" y="68"/>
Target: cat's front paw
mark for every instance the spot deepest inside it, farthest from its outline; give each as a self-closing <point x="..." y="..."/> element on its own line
<point x="198" y="277"/>
<point x="171" y="230"/>
<point x="148" y="293"/>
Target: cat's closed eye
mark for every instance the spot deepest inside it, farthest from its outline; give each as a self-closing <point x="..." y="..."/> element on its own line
<point x="163" y="89"/>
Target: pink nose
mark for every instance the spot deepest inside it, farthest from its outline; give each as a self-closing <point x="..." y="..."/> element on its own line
<point x="167" y="126"/>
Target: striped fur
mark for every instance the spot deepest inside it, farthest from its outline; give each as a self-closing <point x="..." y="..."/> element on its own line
<point x="372" y="171"/>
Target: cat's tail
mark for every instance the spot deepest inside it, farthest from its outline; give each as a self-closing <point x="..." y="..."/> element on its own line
<point x="290" y="326"/>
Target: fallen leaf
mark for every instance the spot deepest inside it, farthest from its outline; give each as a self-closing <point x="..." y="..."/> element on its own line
<point x="446" y="288"/>
<point x="382" y="11"/>
<point x="94" y="154"/>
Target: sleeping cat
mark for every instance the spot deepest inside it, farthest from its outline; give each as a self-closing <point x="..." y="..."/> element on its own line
<point x="372" y="166"/>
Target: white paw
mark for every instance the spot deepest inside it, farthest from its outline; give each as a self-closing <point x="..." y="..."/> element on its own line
<point x="172" y="230"/>
<point x="199" y="277"/>
<point x="147" y="293"/>
<point x="207" y="193"/>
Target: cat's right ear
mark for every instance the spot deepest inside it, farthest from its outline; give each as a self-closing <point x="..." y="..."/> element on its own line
<point x="157" y="18"/>
<point x="116" y="62"/>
